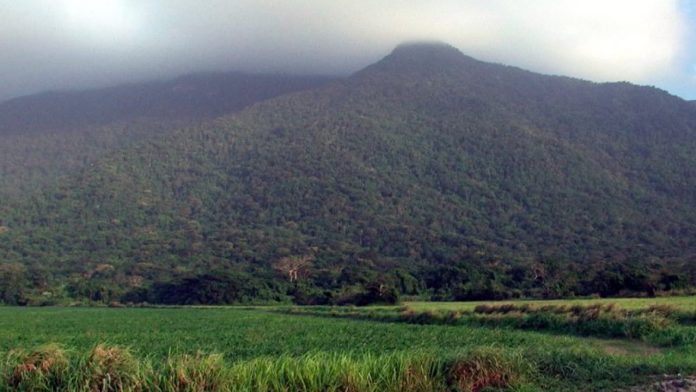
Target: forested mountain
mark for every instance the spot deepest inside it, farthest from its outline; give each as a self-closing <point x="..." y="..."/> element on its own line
<point x="202" y="95"/>
<point x="47" y="135"/>
<point x="428" y="172"/>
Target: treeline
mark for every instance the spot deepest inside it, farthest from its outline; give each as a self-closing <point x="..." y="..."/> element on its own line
<point x="348" y="285"/>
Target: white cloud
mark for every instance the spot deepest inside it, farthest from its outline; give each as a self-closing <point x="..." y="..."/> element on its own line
<point x="607" y="40"/>
<point x="54" y="43"/>
<point x="598" y="39"/>
<point x="633" y="40"/>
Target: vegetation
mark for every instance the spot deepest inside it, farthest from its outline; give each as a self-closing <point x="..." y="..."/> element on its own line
<point x="114" y="369"/>
<point x="45" y="137"/>
<point x="684" y="303"/>
<point x="260" y="349"/>
<point x="658" y="324"/>
<point x="428" y="174"/>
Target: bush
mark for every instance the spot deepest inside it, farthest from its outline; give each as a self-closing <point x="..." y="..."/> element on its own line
<point x="194" y="373"/>
<point x="44" y="369"/>
<point x="483" y="369"/>
<point x="111" y="369"/>
<point x="373" y="294"/>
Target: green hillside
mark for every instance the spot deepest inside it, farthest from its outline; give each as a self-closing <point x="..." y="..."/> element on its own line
<point x="426" y="173"/>
<point x="46" y="136"/>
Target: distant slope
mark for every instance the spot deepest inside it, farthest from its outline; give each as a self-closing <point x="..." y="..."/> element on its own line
<point x="46" y="135"/>
<point x="188" y="97"/>
<point x="428" y="165"/>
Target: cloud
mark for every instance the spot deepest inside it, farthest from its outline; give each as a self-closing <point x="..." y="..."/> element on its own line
<point x="63" y="43"/>
<point x="600" y="40"/>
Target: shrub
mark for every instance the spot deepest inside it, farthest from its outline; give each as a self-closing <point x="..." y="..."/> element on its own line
<point x="195" y="373"/>
<point x="372" y="294"/>
<point x="41" y="370"/>
<point x="111" y="369"/>
<point x="663" y="310"/>
<point x="483" y="369"/>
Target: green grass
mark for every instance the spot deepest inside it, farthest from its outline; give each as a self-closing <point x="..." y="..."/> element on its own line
<point x="113" y="369"/>
<point x="243" y="334"/>
<point x="177" y="349"/>
<point x="683" y="303"/>
<point x="661" y="325"/>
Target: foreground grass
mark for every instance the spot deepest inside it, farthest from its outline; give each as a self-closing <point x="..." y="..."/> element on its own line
<point x="109" y="368"/>
<point x="115" y="369"/>
<point x="231" y="349"/>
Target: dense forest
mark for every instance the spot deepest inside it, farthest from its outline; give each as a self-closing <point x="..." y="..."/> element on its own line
<point x="426" y="174"/>
<point x="46" y="136"/>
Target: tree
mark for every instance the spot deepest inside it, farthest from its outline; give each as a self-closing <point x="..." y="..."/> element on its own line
<point x="294" y="266"/>
<point x="12" y="283"/>
<point x="208" y="289"/>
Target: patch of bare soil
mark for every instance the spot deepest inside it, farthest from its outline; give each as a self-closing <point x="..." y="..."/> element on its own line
<point x="668" y="384"/>
<point x="623" y="347"/>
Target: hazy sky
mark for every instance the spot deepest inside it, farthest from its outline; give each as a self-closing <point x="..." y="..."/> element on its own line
<point x="55" y="44"/>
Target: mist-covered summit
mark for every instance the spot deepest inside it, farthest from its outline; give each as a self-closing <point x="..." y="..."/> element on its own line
<point x="424" y="56"/>
<point x="429" y="170"/>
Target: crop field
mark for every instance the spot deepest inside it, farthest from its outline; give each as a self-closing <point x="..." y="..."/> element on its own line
<point x="522" y="346"/>
<point x="683" y="303"/>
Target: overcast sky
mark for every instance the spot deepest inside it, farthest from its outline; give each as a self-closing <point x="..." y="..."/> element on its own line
<point x="57" y="44"/>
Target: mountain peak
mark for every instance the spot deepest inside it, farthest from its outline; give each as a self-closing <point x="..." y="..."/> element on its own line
<point x="422" y="56"/>
<point x="420" y="48"/>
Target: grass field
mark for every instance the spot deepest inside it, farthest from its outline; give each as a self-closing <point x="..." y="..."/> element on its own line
<point x="419" y="347"/>
<point x="683" y="303"/>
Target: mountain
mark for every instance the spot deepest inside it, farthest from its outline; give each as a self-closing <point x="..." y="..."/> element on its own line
<point x="428" y="172"/>
<point x="204" y="95"/>
<point x="47" y="135"/>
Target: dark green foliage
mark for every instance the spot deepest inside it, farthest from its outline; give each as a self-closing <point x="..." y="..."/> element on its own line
<point x="200" y="96"/>
<point x="53" y="134"/>
<point x="376" y="293"/>
<point x="447" y="177"/>
<point x="12" y="284"/>
<point x="206" y="289"/>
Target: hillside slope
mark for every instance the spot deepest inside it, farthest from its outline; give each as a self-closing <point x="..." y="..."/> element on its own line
<point x="45" y="136"/>
<point x="429" y="169"/>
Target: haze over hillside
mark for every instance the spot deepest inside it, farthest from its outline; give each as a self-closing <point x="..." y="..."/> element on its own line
<point x="82" y="43"/>
<point x="45" y="136"/>
<point x="186" y="98"/>
<point x="428" y="171"/>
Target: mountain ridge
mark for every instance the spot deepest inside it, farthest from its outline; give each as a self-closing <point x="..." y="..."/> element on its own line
<point x="49" y="135"/>
<point x="203" y="95"/>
